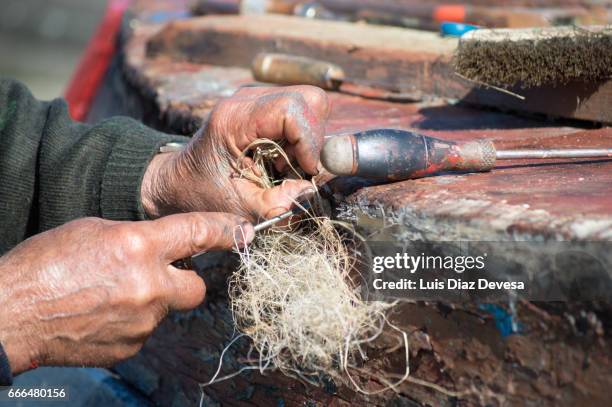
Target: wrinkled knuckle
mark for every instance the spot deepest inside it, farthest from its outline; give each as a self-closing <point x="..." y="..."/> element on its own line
<point x="133" y="242"/>
<point x="293" y="107"/>
<point x="142" y="291"/>
<point x="316" y="96"/>
<point x="294" y="101"/>
<point x="199" y="231"/>
<point x="217" y="116"/>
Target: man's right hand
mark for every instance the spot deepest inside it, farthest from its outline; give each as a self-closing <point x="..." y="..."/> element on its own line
<point x="90" y="292"/>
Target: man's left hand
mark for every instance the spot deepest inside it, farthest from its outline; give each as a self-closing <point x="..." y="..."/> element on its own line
<point x="203" y="176"/>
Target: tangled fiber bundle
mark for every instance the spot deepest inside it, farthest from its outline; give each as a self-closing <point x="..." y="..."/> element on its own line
<point x="294" y="297"/>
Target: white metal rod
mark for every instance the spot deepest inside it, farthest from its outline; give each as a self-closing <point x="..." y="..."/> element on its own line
<point x="555" y="153"/>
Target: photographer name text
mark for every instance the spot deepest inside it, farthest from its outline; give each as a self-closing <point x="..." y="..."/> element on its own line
<point x="404" y="263"/>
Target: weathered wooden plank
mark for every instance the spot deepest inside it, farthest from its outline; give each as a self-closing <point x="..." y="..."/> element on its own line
<point x="429" y="15"/>
<point x="542" y="188"/>
<point x="561" y="357"/>
<point x="414" y="61"/>
<point x="553" y="363"/>
<point x="409" y="59"/>
<point x="499" y="3"/>
<point x="576" y="100"/>
<point x="574" y="73"/>
<point x="417" y="14"/>
<point x="459" y="347"/>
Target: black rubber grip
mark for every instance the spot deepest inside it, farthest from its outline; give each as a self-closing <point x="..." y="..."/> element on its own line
<point x="398" y="154"/>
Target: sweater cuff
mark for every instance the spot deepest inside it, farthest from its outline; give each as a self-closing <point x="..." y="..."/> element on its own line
<point x="125" y="169"/>
<point x="6" y="375"/>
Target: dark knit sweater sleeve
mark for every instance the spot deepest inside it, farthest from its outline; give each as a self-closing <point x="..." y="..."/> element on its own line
<point x="53" y="170"/>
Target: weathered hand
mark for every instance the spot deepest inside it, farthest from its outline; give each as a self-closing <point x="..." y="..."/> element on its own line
<point x="203" y="177"/>
<point x="91" y="291"/>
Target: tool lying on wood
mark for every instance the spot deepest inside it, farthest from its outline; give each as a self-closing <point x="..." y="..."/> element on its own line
<point x="284" y="69"/>
<point x="399" y="155"/>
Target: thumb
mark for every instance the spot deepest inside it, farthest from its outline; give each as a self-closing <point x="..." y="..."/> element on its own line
<point x="187" y="234"/>
<point x="280" y="199"/>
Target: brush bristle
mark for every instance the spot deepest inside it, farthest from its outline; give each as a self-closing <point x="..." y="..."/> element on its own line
<point x="536" y="57"/>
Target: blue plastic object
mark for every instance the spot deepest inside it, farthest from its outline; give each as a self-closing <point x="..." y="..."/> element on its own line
<point x="505" y="321"/>
<point x="448" y="29"/>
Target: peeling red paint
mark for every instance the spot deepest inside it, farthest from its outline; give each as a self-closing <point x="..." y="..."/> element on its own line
<point x="558" y="187"/>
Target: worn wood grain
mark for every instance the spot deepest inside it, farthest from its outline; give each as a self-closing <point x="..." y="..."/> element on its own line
<point x="407" y="59"/>
<point x="543" y="186"/>
<point x="575" y="100"/>
<point x="412" y="61"/>
<point x="429" y="15"/>
<point x="552" y="363"/>
<point x="562" y="355"/>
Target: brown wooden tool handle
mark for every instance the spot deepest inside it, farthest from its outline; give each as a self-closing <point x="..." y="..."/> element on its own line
<point x="284" y="69"/>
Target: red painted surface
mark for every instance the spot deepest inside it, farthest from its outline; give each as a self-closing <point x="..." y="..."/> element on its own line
<point x="556" y="198"/>
<point x="451" y="12"/>
<point x="95" y="61"/>
<point x="455" y="346"/>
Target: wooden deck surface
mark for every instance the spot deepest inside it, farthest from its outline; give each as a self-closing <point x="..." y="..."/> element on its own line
<point x="559" y="358"/>
<point x="535" y="198"/>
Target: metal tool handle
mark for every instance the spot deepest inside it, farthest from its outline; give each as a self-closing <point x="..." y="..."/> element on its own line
<point x="285" y="69"/>
<point x="398" y="154"/>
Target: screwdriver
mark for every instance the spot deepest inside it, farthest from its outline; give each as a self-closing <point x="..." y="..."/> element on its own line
<point x="395" y="155"/>
<point x="284" y="69"/>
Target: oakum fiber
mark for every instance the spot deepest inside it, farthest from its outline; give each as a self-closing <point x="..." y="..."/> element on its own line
<point x="294" y="296"/>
